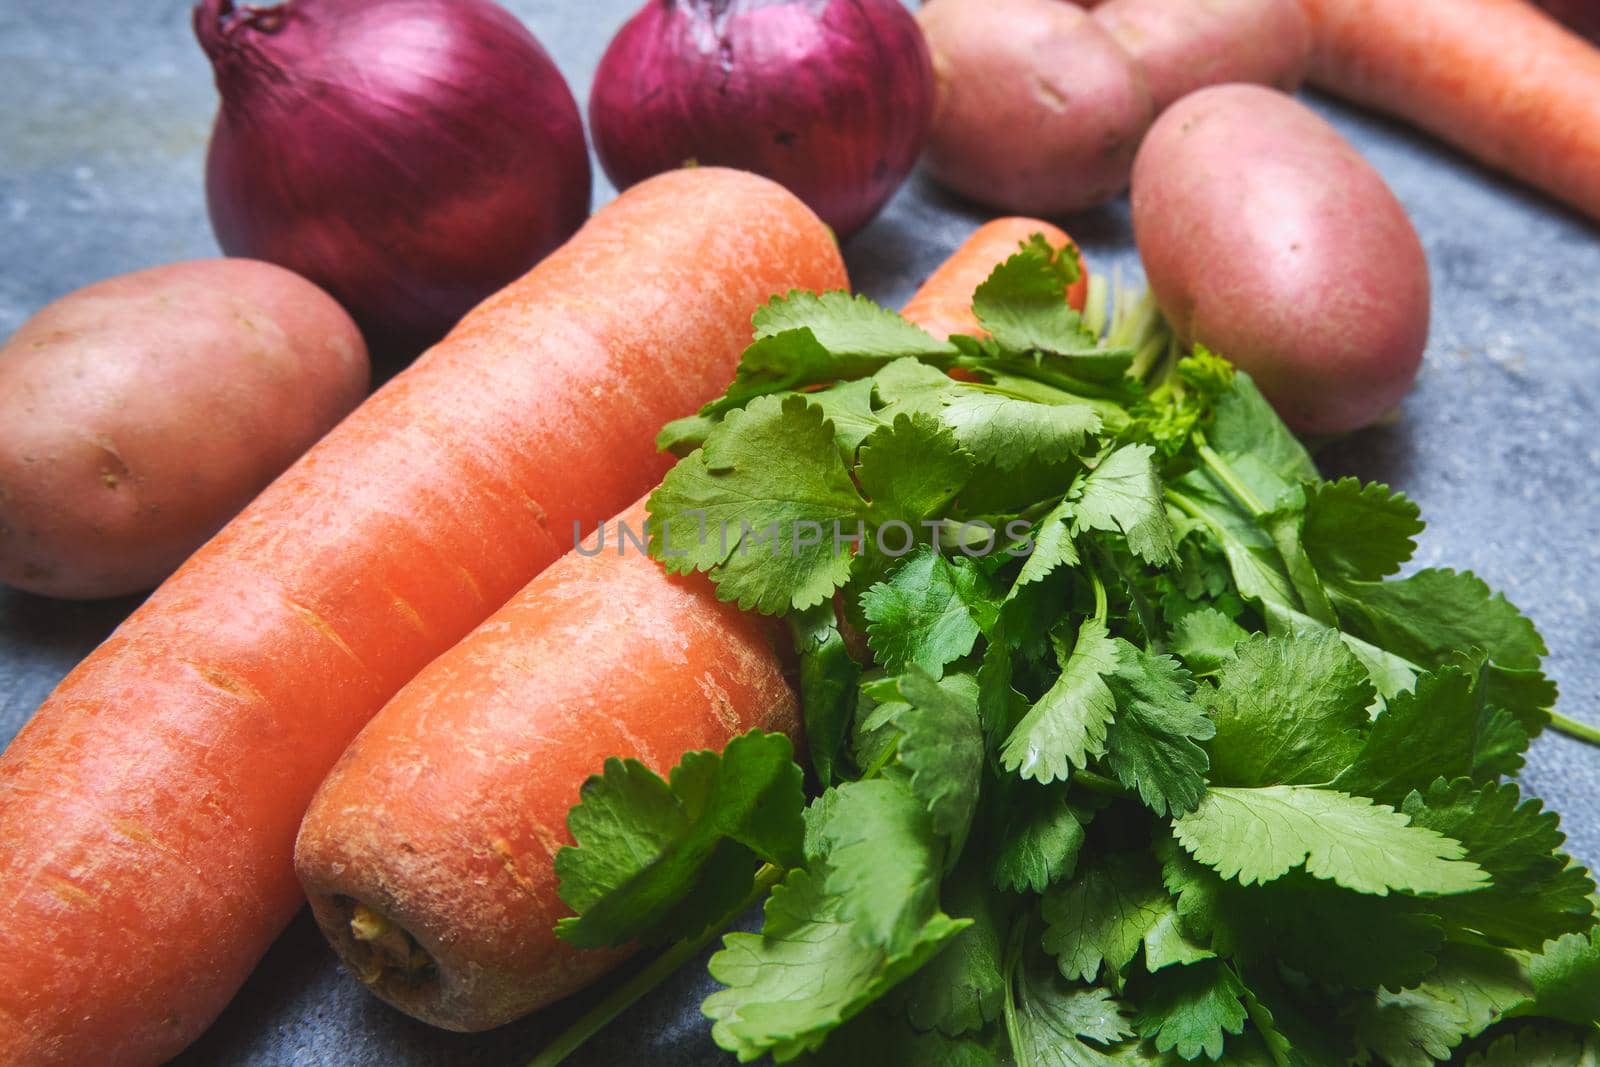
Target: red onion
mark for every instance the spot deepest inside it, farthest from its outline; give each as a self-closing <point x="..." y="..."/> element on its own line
<point x="410" y="156"/>
<point x="832" y="98"/>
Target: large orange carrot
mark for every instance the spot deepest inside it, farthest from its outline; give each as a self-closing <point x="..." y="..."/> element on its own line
<point x="943" y="305"/>
<point x="429" y="853"/>
<point x="148" y="812"/>
<point x="1499" y="79"/>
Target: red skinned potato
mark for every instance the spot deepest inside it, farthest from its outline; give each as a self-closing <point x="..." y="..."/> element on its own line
<point x="1184" y="45"/>
<point x="138" y="414"/>
<point x="1039" y="111"/>
<point x="1268" y="238"/>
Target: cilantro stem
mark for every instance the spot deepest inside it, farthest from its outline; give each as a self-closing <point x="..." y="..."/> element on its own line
<point x="1100" y="607"/>
<point x="1297" y="565"/>
<point x="1009" y="965"/>
<point x="1099" y="783"/>
<point x="651" y="975"/>
<point x="1225" y="474"/>
<point x="1580" y="731"/>
<point x="889" y="752"/>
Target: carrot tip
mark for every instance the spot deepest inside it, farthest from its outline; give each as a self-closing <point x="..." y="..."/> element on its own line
<point x="381" y="953"/>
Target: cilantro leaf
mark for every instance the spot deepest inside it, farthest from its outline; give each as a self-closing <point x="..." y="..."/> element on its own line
<point x="1351" y="530"/>
<point x="806" y="972"/>
<point x="1167" y="942"/>
<point x="960" y="990"/>
<point x="1190" y="1008"/>
<point x="1246" y="425"/>
<point x="763" y="474"/>
<point x="1537" y="893"/>
<point x="1325" y="932"/>
<point x="1257" y="835"/>
<point x="1005" y="431"/>
<point x="1123" y="494"/>
<point x="1021" y="303"/>
<point x="1469" y="991"/>
<point x="1050" y="1018"/>
<point x="1052" y="547"/>
<point x="1431" y="614"/>
<point x="849" y="327"/>
<point x="1424" y="734"/>
<point x="805" y="338"/>
<point x="1040" y="840"/>
<point x="1565" y="979"/>
<point x="1151" y="745"/>
<point x="929" y="612"/>
<point x="1287" y="711"/>
<point x="942" y="748"/>
<point x="908" y="387"/>
<point x="911" y="469"/>
<point x="882" y="1035"/>
<point x="1102" y="913"/>
<point x="644" y="845"/>
<point x="1545" y="1046"/>
<point x="883" y="861"/>
<point x="848" y="406"/>
<point x="828" y="679"/>
<point x="1206" y="639"/>
<point x="1067" y="725"/>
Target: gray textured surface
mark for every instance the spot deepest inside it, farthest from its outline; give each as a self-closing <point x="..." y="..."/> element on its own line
<point x="100" y="165"/>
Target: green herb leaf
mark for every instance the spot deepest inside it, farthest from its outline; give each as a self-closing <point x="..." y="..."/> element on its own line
<point x="1102" y="913"/>
<point x="1425" y="734"/>
<point x="1190" y="1008"/>
<point x="1542" y="1045"/>
<point x="806" y="972"/>
<point x="929" y="612"/>
<point x="1259" y="740"/>
<point x="644" y="846"/>
<point x="1040" y="841"/>
<point x="1206" y="640"/>
<point x="1257" y="835"/>
<point x="1021" y="303"/>
<point x="911" y="470"/>
<point x="1358" y="531"/>
<point x="1067" y="725"/>
<point x="1007" y="432"/>
<point x="850" y="328"/>
<point x="1315" y="927"/>
<point x="942" y="748"/>
<point x="1537" y="893"/>
<point x="884" y="861"/>
<point x="1467" y="993"/>
<point x="1052" y="547"/>
<point x="740" y="508"/>
<point x="1565" y="978"/>
<point x="960" y="990"/>
<point x="1051" y="1018"/>
<point x="1151" y="746"/>
<point x="828" y="679"/>
<point x="1123" y="493"/>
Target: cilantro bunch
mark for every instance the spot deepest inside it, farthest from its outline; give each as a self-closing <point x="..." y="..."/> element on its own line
<point x="1129" y="746"/>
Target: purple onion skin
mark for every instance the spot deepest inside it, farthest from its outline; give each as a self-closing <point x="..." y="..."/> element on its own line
<point x="410" y="156"/>
<point x="831" y="98"/>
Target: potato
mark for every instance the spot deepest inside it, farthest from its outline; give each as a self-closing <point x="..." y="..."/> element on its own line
<point x="137" y="415"/>
<point x="1184" y="45"/>
<point x="1267" y="237"/>
<point x="1039" y="110"/>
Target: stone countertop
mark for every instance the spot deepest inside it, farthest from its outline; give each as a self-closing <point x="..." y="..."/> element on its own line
<point x="101" y="172"/>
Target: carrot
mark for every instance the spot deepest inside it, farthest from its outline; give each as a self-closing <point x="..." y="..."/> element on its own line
<point x="1499" y="79"/>
<point x="429" y="853"/>
<point x="943" y="305"/>
<point x="148" y="811"/>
